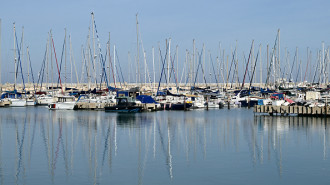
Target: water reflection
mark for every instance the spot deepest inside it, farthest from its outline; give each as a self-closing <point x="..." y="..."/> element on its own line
<point x="65" y="147"/>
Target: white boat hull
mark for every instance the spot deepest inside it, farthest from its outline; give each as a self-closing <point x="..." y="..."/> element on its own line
<point x="45" y="101"/>
<point x="62" y="106"/>
<point x="31" y="103"/>
<point x="278" y="102"/>
<point x="17" y="102"/>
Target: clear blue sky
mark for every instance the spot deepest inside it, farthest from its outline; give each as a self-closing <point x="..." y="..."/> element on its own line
<point x="303" y="23"/>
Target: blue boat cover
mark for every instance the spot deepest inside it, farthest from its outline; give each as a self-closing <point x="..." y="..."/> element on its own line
<point x="145" y="99"/>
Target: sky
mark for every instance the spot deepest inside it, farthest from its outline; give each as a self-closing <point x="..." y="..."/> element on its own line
<point x="303" y="23"/>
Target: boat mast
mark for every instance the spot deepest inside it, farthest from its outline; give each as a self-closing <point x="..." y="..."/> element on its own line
<point x="88" y="58"/>
<point x="260" y="67"/>
<point x="65" y="77"/>
<point x="74" y="63"/>
<point x="177" y="60"/>
<point x="15" y="58"/>
<point x="153" y="65"/>
<point x="47" y="67"/>
<point x="58" y="69"/>
<point x="138" y="51"/>
<point x="51" y="60"/>
<point x="307" y="64"/>
<point x="298" y="64"/>
<point x="94" y="55"/>
<point x="114" y="64"/>
<point x="236" y="67"/>
<point x="145" y="67"/>
<point x="267" y="64"/>
<point x="0" y="59"/>
<point x="168" y="61"/>
<point x="203" y="66"/>
<point x="129" y="67"/>
<point x="278" y="53"/>
<point x="71" y="58"/>
<point x="193" y="62"/>
<point x="22" y="50"/>
<point x="323" y="61"/>
<point x="109" y="58"/>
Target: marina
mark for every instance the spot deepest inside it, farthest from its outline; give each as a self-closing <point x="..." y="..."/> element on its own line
<point x="175" y="92"/>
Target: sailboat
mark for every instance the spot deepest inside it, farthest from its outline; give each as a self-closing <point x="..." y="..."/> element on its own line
<point x="63" y="102"/>
<point x="14" y="97"/>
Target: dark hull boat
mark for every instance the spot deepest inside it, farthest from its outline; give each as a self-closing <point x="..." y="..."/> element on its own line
<point x="129" y="109"/>
<point x="125" y="105"/>
<point x="251" y="103"/>
<point x="176" y="106"/>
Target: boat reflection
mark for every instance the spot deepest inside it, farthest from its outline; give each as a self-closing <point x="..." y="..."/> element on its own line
<point x="100" y="146"/>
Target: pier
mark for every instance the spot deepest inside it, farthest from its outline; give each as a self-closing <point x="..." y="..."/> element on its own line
<point x="293" y="110"/>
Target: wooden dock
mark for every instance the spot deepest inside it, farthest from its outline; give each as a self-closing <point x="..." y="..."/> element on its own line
<point x="292" y="110"/>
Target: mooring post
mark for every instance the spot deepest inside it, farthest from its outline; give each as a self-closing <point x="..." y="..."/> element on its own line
<point x="228" y="102"/>
<point x="184" y="103"/>
<point x="207" y="102"/>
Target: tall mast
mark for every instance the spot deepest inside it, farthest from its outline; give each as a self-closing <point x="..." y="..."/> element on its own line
<point x="307" y="64"/>
<point x="73" y="63"/>
<point x="129" y="67"/>
<point x="223" y="66"/>
<point x="236" y="85"/>
<point x="94" y="55"/>
<point x="203" y="62"/>
<point x="65" y="77"/>
<point x="88" y="58"/>
<point x="227" y="73"/>
<point x="286" y="63"/>
<point x="15" y="58"/>
<point x="153" y="65"/>
<point x="267" y="62"/>
<point x="58" y="69"/>
<point x="83" y="64"/>
<point x="22" y="50"/>
<point x="47" y="61"/>
<point x="278" y="53"/>
<point x="70" y="51"/>
<point x="168" y="61"/>
<point x="28" y="62"/>
<point x="0" y="59"/>
<point x="252" y="61"/>
<point x="193" y="62"/>
<point x="260" y="66"/>
<point x="114" y="64"/>
<point x="145" y="68"/>
<point x="51" y="59"/>
<point x="138" y="51"/>
<point x="323" y="61"/>
<point x="109" y="57"/>
<point x="297" y="60"/>
<point x="327" y="71"/>
<point x="177" y="60"/>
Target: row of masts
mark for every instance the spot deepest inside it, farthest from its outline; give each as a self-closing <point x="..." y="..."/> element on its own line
<point x="193" y="71"/>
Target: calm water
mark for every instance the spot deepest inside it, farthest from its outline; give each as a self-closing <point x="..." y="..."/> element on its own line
<point x="39" y="146"/>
